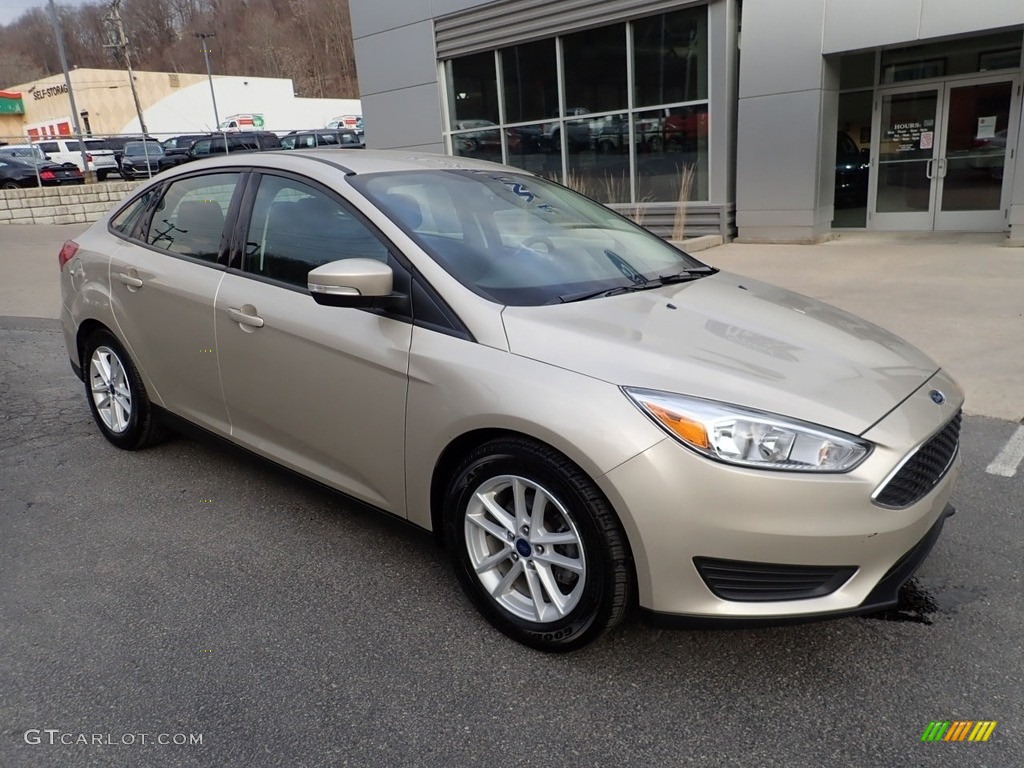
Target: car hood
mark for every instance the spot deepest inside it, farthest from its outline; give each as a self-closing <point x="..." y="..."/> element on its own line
<point x="732" y="339"/>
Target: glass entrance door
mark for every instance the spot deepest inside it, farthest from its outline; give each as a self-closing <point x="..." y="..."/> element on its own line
<point x="903" y="182"/>
<point x="942" y="155"/>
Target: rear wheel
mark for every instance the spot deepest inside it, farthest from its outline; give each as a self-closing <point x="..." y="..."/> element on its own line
<point x="101" y="175"/>
<point x="117" y="398"/>
<point x="536" y="546"/>
<point x="10" y="185"/>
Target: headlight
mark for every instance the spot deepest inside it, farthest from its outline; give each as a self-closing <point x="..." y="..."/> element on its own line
<point x="750" y="438"/>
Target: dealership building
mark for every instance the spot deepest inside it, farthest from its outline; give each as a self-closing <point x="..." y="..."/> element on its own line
<point x="773" y="120"/>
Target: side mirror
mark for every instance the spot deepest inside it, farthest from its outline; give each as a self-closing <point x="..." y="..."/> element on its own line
<point x="351" y="283"/>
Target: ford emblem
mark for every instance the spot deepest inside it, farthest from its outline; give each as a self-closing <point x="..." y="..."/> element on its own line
<point x="937" y="397"/>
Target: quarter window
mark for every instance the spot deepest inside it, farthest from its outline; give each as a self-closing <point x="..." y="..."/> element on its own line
<point x="125" y="220"/>
<point x="296" y="228"/>
<point x="189" y="220"/>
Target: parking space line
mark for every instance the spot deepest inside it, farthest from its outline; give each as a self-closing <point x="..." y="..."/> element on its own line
<point x="1006" y="463"/>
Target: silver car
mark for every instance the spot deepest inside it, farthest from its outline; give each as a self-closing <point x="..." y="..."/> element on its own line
<point x="590" y="419"/>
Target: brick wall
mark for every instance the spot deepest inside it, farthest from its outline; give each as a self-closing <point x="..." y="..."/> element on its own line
<point x="75" y="204"/>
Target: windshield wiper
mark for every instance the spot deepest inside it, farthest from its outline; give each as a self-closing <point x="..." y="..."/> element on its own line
<point x="693" y="273"/>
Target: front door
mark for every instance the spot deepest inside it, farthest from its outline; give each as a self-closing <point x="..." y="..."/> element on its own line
<point x="942" y="155"/>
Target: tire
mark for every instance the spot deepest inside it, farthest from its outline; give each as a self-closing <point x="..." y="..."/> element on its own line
<point x="126" y="420"/>
<point x="556" y="142"/>
<point x="10" y="185"/>
<point x="101" y="175"/>
<point x="561" y="581"/>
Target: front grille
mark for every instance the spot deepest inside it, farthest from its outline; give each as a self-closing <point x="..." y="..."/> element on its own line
<point x="923" y="469"/>
<point x="757" y="582"/>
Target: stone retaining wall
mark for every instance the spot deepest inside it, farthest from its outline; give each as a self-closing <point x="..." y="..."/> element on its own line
<point x="75" y="204"/>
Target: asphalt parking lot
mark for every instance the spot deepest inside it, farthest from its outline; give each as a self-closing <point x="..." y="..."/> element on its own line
<point x="190" y="590"/>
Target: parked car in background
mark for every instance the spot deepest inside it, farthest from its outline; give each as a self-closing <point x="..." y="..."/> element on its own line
<point x="577" y="130"/>
<point x="29" y="153"/>
<point x="116" y="145"/>
<point x="176" y="148"/>
<point x="64" y="150"/>
<point x="18" y="173"/>
<point x="341" y="139"/>
<point x="142" y="159"/>
<point x="224" y="144"/>
<point x="101" y="158"/>
<point x="591" y="419"/>
<point x="852" y="169"/>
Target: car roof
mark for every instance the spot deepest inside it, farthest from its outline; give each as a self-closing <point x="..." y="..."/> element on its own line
<point x="362" y="162"/>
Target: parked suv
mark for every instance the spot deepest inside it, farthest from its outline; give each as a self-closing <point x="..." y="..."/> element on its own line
<point x="340" y="139"/>
<point x="225" y="144"/>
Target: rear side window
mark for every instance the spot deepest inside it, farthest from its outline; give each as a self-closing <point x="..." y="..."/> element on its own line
<point x="49" y="146"/>
<point x="190" y="217"/>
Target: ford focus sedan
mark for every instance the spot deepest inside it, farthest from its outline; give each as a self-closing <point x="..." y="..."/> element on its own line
<point x="590" y="419"/>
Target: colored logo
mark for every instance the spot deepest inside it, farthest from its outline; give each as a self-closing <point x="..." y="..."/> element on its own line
<point x="958" y="730"/>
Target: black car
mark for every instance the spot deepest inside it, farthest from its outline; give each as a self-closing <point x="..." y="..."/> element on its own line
<point x="339" y="138"/>
<point x="142" y="159"/>
<point x="116" y="144"/>
<point x="229" y="143"/>
<point x="176" y="147"/>
<point x="851" y="190"/>
<point x="17" y="174"/>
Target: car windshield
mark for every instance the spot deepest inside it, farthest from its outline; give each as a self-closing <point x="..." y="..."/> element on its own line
<point x="143" y="148"/>
<point x="518" y="239"/>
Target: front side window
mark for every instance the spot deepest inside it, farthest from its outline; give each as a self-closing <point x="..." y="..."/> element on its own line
<point x="190" y="218"/>
<point x="296" y="227"/>
<point x="519" y="239"/>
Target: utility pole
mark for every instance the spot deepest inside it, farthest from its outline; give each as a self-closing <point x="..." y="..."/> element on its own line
<point x="67" y="81"/>
<point x="120" y="43"/>
<point x="204" y="36"/>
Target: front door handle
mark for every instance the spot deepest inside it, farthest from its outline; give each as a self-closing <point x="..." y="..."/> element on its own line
<point x="130" y="280"/>
<point x="942" y="167"/>
<point x="929" y="169"/>
<point x="245" y="318"/>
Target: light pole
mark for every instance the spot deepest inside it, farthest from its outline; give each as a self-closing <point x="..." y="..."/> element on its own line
<point x="67" y="81"/>
<point x="204" y="36"/>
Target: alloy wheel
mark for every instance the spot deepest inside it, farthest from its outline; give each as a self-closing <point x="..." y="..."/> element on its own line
<point x="110" y="390"/>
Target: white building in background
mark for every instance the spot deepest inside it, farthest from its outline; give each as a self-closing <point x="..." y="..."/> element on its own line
<point x="821" y="115"/>
<point x="172" y="102"/>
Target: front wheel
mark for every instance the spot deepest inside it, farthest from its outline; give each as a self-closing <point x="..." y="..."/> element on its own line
<point x="536" y="546"/>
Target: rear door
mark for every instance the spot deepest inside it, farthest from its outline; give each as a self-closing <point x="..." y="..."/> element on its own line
<point x="163" y="286"/>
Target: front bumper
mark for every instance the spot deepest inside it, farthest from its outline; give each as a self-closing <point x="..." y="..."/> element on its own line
<point x="682" y="511"/>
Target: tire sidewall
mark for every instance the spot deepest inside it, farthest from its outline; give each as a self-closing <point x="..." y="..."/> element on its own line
<point x="131" y="436"/>
<point x="587" y="619"/>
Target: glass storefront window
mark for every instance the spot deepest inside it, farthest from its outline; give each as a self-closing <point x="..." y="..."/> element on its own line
<point x="672" y="154"/>
<point x="529" y="74"/>
<point x="952" y="57"/>
<point x="857" y="70"/>
<point x="588" y="131"/>
<point x="671" y="57"/>
<point x="595" y="69"/>
<point x="599" y="159"/>
<point x="473" y="84"/>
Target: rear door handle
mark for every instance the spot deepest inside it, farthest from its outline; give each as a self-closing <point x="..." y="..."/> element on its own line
<point x="239" y="316"/>
<point x="130" y="280"/>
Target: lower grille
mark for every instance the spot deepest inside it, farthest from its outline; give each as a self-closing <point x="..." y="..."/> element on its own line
<point x="757" y="582"/>
<point x="922" y="470"/>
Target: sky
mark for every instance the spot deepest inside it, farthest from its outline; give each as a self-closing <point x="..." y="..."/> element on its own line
<point x="11" y="10"/>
